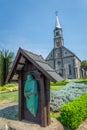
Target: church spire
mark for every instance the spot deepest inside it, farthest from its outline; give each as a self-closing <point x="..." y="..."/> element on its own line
<point x="58" y="38"/>
<point x="57" y="25"/>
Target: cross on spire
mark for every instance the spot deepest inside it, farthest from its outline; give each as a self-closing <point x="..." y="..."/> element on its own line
<point x="56" y="13"/>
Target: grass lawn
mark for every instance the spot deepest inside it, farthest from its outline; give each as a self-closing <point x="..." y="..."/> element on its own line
<point x="56" y="88"/>
<point x="59" y="85"/>
<point x="9" y="97"/>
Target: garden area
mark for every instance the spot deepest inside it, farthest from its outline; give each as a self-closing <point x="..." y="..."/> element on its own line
<point x="68" y="101"/>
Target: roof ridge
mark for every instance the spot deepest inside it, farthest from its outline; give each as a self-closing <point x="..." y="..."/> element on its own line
<point x="72" y="53"/>
<point x="32" y="53"/>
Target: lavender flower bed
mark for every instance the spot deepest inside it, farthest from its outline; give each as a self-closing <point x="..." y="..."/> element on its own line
<point x="68" y="93"/>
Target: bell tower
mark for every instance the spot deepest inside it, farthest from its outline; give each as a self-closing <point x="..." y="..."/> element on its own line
<point x="58" y="38"/>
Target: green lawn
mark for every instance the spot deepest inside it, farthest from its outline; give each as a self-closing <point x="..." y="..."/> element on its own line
<point x="56" y="88"/>
<point x="9" y="97"/>
<point x="59" y="85"/>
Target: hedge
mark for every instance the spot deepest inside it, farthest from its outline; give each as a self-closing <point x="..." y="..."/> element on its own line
<point x="73" y="113"/>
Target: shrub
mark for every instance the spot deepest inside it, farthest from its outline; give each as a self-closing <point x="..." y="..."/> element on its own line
<point x="2" y="88"/>
<point x="12" y="88"/>
<point x="73" y="113"/>
<point x="9" y="87"/>
<point x="66" y="94"/>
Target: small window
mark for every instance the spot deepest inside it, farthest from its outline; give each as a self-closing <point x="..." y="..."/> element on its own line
<point x="57" y="44"/>
<point x="58" y="55"/>
<point x="56" y="33"/>
<point x="65" y="52"/>
<point x="51" y="55"/>
<point x="70" y="71"/>
<point x="59" y="62"/>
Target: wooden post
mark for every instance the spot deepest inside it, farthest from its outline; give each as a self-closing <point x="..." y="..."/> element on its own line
<point x="21" y="97"/>
<point x="47" y="90"/>
<point x="40" y="80"/>
<point x="43" y="102"/>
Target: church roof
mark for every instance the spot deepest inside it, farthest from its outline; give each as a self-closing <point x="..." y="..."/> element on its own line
<point x="37" y="61"/>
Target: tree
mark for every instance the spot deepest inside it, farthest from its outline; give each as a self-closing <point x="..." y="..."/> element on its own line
<point x="6" y="58"/>
<point x="84" y="68"/>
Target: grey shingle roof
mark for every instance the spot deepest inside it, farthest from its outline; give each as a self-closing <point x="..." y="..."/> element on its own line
<point x="38" y="61"/>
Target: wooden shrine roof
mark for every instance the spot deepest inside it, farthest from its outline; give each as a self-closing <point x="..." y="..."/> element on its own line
<point x="37" y="60"/>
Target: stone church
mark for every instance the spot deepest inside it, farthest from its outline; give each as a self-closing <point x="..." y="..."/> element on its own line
<point x="65" y="62"/>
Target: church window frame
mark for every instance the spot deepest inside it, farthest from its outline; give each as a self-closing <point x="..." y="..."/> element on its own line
<point x="57" y="44"/>
<point x="58" y="55"/>
<point x="59" y="63"/>
<point x="70" y="69"/>
<point x="57" y="33"/>
<point x="65" y="52"/>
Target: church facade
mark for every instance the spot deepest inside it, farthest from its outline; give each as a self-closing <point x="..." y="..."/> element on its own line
<point x="65" y="62"/>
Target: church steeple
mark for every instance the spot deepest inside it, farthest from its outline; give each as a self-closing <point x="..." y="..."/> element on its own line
<point x="58" y="38"/>
<point x="57" y="25"/>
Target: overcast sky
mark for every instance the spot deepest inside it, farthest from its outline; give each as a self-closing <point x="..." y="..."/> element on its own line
<point x="29" y="24"/>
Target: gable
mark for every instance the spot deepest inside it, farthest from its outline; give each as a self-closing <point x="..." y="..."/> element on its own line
<point x="37" y="61"/>
<point x="50" y="55"/>
<point x="67" y="52"/>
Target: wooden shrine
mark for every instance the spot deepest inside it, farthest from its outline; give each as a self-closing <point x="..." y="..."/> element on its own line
<point x="27" y="63"/>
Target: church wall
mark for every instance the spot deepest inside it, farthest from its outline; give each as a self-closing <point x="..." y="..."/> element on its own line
<point x="66" y="53"/>
<point x="68" y="68"/>
<point x="58" y="66"/>
<point x="50" y="56"/>
<point x="51" y="63"/>
<point x="77" y="65"/>
<point x="57" y="53"/>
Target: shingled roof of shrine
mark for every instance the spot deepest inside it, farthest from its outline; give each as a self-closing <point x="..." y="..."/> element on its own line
<point x="37" y="60"/>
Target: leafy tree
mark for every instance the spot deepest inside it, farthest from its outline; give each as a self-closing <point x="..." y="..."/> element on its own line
<point x="6" y="58"/>
<point x="84" y="64"/>
<point x="84" y="67"/>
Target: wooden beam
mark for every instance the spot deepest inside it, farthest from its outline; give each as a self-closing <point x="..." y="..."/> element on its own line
<point x="21" y="63"/>
<point x="21" y="97"/>
<point x="47" y="91"/>
<point x="43" y="106"/>
<point x="40" y="80"/>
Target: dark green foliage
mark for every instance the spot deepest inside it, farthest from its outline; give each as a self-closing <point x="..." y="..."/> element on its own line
<point x="5" y="64"/>
<point x="84" y="65"/>
<point x="73" y="113"/>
